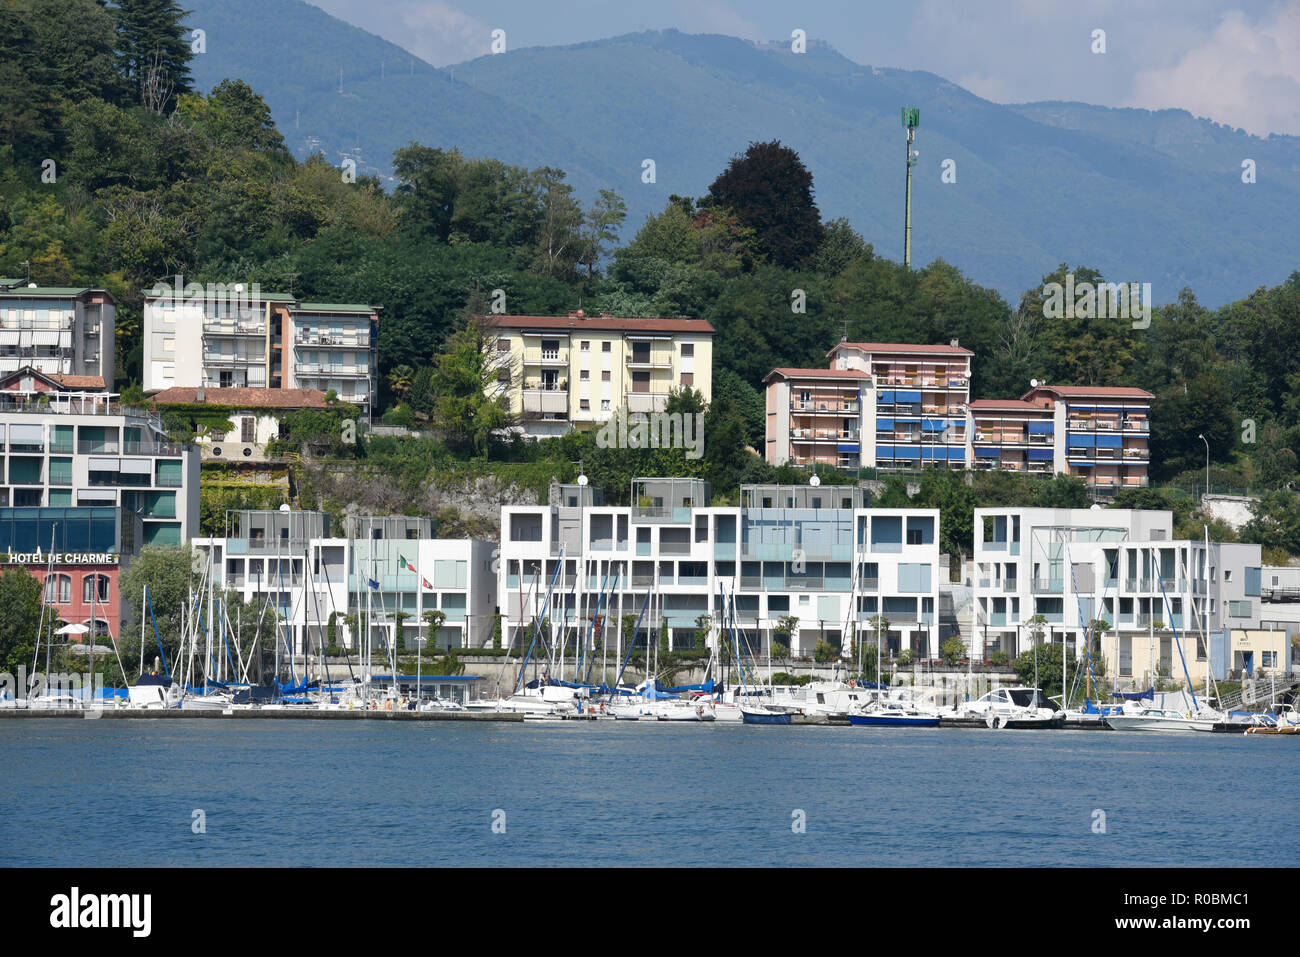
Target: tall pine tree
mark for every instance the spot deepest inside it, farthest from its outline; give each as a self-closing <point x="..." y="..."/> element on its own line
<point x="153" y="50"/>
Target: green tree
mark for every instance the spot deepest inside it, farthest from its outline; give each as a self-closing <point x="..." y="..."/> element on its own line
<point x="167" y="571"/>
<point x="20" y="618"/>
<point x="470" y="403"/>
<point x="771" y="191"/>
<point x="153" y="50"/>
<point x="952" y="651"/>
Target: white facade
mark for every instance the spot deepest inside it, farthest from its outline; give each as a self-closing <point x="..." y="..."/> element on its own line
<point x="57" y="331"/>
<point x="1073" y="566"/>
<point x="813" y="554"/>
<point x="310" y="574"/>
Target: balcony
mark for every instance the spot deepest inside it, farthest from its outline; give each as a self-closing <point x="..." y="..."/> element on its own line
<point x="1137" y="425"/>
<point x="646" y="401"/>
<point x="649" y="360"/>
<point x="233" y="327"/>
<point x="825" y="408"/>
<point x="544" y="401"/>
<point x="1048" y="586"/>
<point x="94" y="447"/>
<point x="330" y="370"/>
<point x="339" y="341"/>
<point x="823" y="435"/>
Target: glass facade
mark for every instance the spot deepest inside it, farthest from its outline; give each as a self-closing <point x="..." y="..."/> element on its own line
<point x="23" y="530"/>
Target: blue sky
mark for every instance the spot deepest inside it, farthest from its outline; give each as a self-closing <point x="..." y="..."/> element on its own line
<point x="1236" y="62"/>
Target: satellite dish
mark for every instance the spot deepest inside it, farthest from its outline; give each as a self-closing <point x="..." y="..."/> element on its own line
<point x="1033" y="383"/>
<point x="1096" y="506"/>
<point x="284" y="506"/>
<point x="814" y="481"/>
<point x="582" y="480"/>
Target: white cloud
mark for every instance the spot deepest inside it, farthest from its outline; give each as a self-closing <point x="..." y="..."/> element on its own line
<point x="1246" y="73"/>
<point x="434" y="30"/>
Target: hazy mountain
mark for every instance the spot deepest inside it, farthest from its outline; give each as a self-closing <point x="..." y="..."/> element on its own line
<point x="1146" y="197"/>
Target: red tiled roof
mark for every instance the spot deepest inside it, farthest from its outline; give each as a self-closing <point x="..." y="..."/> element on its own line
<point x="245" y="398"/>
<point x="1094" y="391"/>
<point x="602" y="322"/>
<point x="818" y="374"/>
<point x="1010" y="405"/>
<point x="900" y="348"/>
<point x="93" y="382"/>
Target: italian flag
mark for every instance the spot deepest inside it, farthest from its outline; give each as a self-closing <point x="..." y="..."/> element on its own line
<point x="403" y="563"/>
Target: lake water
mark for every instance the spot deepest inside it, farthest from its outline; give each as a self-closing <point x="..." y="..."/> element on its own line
<point x="124" y="792"/>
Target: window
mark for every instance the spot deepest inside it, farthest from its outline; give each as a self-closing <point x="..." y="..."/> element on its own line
<point x="604" y="377"/>
<point x="247" y="429"/>
<point x="604" y="405"/>
<point x="688" y="350"/>
<point x="605" y="347"/>
<point x="584" y="405"/>
<point x="58" y="589"/>
<point x="503" y="377"/>
<point x="94" y="589"/>
<point x="584" y="375"/>
<point x="1238" y="609"/>
<point x="688" y="378"/>
<point x="586" y="345"/>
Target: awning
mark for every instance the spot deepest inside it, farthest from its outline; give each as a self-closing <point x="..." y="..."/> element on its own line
<point x="1042" y="428"/>
<point x="1081" y="441"/>
<point x="103" y="465"/>
<point x="933" y="425"/>
<point x="884" y="452"/>
<point x="26" y="434"/>
<point x="957" y="453"/>
<point x="988" y="453"/>
<point x="884" y="423"/>
<point x="886" y="397"/>
<point x="89" y="496"/>
<point x="1109" y="442"/>
<point x="1041" y="455"/>
<point x="905" y="452"/>
<point x="137" y="466"/>
<point x="909" y="396"/>
<point x="847" y="447"/>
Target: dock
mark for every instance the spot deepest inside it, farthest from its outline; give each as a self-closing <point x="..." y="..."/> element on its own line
<point x="181" y="714"/>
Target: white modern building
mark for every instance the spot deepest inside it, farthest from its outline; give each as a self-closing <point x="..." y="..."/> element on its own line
<point x="387" y="570"/>
<point x="1073" y="566"/>
<point x="816" y="555"/>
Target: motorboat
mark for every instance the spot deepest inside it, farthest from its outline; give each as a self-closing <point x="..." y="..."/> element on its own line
<point x="764" y="714"/>
<point x="1161" y="719"/>
<point x="154" y="691"/>
<point x="882" y="715"/>
<point x="1017" y="708"/>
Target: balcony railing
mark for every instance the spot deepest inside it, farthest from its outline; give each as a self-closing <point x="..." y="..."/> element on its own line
<point x="1048" y="586"/>
<point x="826" y="408"/>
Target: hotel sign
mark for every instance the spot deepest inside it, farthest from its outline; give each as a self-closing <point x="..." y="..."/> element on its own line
<point x="65" y="558"/>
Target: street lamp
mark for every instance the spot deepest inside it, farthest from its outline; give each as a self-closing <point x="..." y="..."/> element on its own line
<point x="1207" y="462"/>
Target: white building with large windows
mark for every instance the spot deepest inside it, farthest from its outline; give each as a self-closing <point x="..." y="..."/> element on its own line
<point x="1120" y="566"/>
<point x="816" y="555"/>
<point x="384" y="570"/>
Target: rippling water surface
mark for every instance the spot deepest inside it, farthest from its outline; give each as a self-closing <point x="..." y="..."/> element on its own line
<point x="309" y="792"/>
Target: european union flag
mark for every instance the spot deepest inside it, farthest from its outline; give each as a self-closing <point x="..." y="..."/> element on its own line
<point x="372" y="583"/>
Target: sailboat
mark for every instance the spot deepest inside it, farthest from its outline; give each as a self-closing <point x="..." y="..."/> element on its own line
<point x="879" y="712"/>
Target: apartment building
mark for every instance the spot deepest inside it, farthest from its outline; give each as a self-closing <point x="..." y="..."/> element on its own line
<point x="1013" y="435"/>
<point x="814" y="416"/>
<point x="576" y="371"/>
<point x="879" y="405"/>
<point x="1121" y="566"/>
<point x="1101" y="434"/>
<point x="386" y="571"/>
<point x="57" y="330"/>
<point x="917" y="413"/>
<point x="814" y="555"/>
<point x="85" y="483"/>
<point x="254" y="417"/>
<point x="233" y="338"/>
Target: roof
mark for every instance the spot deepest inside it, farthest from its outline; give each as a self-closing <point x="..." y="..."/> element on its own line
<point x="336" y="307"/>
<point x="902" y="348"/>
<point x="79" y="381"/>
<point x="91" y="383"/>
<point x="1093" y="391"/>
<point x="229" y="292"/>
<point x="600" y="323"/>
<point x="1005" y="405"/>
<point x="244" y="398"/>
<point x="818" y="374"/>
<point x="20" y="288"/>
